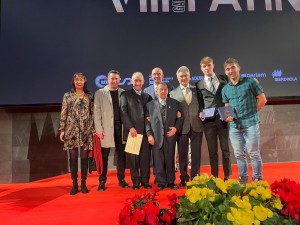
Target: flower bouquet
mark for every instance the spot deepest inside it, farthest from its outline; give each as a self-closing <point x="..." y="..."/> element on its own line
<point x="209" y="200"/>
<point x="144" y="209"/>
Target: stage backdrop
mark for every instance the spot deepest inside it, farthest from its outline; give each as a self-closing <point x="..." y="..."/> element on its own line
<point x="43" y="43"/>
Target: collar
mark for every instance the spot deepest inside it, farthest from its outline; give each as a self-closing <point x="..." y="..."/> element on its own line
<point x="240" y="80"/>
<point x="212" y="76"/>
<point x="138" y="92"/>
<point x="182" y="87"/>
<point x="161" y="100"/>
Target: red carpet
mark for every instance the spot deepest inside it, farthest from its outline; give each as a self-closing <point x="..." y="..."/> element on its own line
<point x="48" y="201"/>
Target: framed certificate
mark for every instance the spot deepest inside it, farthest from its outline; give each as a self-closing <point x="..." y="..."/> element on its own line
<point x="208" y="113"/>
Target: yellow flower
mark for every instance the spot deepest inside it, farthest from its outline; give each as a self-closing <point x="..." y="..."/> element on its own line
<point x="208" y="193"/>
<point x="240" y="217"/>
<point x="242" y="203"/>
<point x="276" y="203"/>
<point x="221" y="184"/>
<point x="264" y="193"/>
<point x="193" y="194"/>
<point x="202" y="179"/>
<point x="262" y="213"/>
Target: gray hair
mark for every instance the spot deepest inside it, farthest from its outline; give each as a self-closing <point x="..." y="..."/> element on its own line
<point x="183" y="68"/>
<point x="138" y="74"/>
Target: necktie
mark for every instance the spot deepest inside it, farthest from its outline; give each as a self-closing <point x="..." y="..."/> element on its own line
<point x="186" y="95"/>
<point x="211" y="85"/>
<point x="163" y="110"/>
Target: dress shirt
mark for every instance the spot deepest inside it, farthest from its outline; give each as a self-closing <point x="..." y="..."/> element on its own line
<point x="215" y="82"/>
<point x="189" y="91"/>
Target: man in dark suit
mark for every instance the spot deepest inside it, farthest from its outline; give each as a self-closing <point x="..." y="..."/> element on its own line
<point x="192" y="128"/>
<point x="162" y="129"/>
<point x="133" y="106"/>
<point x="210" y="96"/>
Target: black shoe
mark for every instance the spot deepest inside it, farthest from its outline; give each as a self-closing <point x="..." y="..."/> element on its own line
<point x="147" y="185"/>
<point x="74" y="189"/>
<point x="123" y="184"/>
<point x="182" y="183"/>
<point x="101" y="186"/>
<point x="173" y="186"/>
<point x="84" y="189"/>
<point x="226" y="178"/>
<point x="136" y="187"/>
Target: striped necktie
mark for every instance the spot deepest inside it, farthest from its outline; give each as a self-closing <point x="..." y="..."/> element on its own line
<point x="211" y="85"/>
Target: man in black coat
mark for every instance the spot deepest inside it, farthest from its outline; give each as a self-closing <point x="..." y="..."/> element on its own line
<point x="133" y="106"/>
<point x="162" y="129"/>
<point x="209" y="92"/>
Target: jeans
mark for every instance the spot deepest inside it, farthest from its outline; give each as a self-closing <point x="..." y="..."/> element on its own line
<point x="245" y="140"/>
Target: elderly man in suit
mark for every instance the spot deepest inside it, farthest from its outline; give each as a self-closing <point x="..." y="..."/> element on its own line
<point x="162" y="130"/>
<point x="157" y="76"/>
<point x="192" y="129"/>
<point x="210" y="96"/>
<point x="107" y="121"/>
<point x="133" y="106"/>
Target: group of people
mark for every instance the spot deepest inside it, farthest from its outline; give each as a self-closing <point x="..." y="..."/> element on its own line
<point x="165" y="116"/>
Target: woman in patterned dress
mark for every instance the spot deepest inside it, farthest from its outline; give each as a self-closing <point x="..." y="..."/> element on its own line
<point x="76" y="128"/>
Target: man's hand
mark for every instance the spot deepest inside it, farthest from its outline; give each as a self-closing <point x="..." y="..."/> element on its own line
<point x="61" y="136"/>
<point x="172" y="131"/>
<point x="100" y="134"/>
<point x="151" y="140"/>
<point x="148" y="118"/>
<point x="133" y="132"/>
<point x="178" y="115"/>
<point x="229" y="119"/>
<point x="200" y="116"/>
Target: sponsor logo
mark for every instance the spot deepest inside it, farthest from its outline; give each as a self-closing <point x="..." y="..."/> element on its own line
<point x="278" y="76"/>
<point x="101" y="81"/>
<point x="190" y="5"/>
<point x="165" y="80"/>
<point x="254" y="75"/>
<point x="196" y="78"/>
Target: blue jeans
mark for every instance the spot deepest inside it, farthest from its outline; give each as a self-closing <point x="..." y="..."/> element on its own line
<point x="243" y="141"/>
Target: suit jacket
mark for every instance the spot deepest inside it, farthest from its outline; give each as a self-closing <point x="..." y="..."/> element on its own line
<point x="150" y="90"/>
<point x="104" y="115"/>
<point x="190" y="112"/>
<point x="157" y="127"/>
<point x="133" y="108"/>
<point x="206" y="98"/>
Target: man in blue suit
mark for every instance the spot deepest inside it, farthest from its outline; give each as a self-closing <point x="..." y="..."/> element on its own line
<point x="162" y="129"/>
<point x="157" y="76"/>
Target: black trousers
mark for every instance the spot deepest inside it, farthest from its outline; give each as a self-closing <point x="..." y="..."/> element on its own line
<point x="140" y="164"/>
<point x="183" y="148"/>
<point x="121" y="160"/>
<point x="164" y="161"/>
<point x="214" y="129"/>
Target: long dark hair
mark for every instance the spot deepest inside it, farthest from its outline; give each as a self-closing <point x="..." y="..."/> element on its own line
<point x="85" y="82"/>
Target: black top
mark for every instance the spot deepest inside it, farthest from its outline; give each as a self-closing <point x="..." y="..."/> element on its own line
<point x="116" y="107"/>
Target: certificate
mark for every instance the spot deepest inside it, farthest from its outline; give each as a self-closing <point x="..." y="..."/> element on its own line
<point x="225" y="112"/>
<point x="133" y="144"/>
<point x="208" y="113"/>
